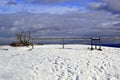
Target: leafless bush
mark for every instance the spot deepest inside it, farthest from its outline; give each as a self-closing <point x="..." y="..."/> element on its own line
<point x="23" y="39"/>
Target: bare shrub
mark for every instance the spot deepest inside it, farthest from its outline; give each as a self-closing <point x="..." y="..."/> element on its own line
<point x="23" y="39"/>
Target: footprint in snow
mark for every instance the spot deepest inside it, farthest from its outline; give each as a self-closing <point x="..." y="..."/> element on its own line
<point x="77" y="77"/>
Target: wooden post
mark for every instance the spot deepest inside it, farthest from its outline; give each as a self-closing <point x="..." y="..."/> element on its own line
<point x="95" y="46"/>
<point x="91" y="43"/>
<point x="63" y="43"/>
<point x="100" y="44"/>
<point x="32" y="44"/>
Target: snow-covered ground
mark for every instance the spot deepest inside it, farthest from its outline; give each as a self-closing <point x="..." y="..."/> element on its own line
<point x="51" y="62"/>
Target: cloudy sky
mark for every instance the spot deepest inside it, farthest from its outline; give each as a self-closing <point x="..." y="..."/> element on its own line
<point x="59" y="18"/>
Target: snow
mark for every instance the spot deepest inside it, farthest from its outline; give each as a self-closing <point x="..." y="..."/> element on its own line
<point x="51" y="62"/>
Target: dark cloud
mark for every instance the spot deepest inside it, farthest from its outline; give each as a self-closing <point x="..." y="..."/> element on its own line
<point x="71" y="23"/>
<point x="113" y="6"/>
<point x="11" y="2"/>
<point x="60" y="25"/>
<point x="108" y="5"/>
<point x="8" y="2"/>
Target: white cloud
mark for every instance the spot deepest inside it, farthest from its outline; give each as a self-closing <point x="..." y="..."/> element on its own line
<point x="53" y="9"/>
<point x="13" y="29"/>
<point x="47" y="1"/>
<point x="3" y="2"/>
<point x="96" y="5"/>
